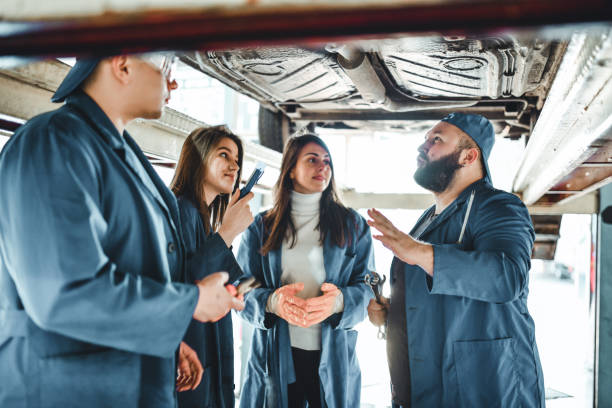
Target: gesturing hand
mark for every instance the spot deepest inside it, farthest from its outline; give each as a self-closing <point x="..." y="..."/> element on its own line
<point x="215" y="301"/>
<point x="237" y="217"/>
<point x="190" y="371"/>
<point x="289" y="306"/>
<point x="402" y="245"/>
<point x="321" y="307"/>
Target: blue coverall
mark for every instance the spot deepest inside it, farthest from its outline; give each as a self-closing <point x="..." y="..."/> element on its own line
<point x="89" y="246"/>
<point x="471" y="340"/>
<point x="213" y="342"/>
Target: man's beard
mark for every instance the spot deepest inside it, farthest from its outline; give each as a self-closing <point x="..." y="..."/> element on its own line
<point x="437" y="175"/>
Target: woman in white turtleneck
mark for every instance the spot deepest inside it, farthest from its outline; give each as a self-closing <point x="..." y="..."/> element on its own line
<point x="303" y="263"/>
<point x="311" y="255"/>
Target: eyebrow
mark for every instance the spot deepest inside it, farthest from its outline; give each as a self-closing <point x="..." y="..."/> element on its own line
<point x="224" y="148"/>
<point x="437" y="132"/>
<point x="315" y="154"/>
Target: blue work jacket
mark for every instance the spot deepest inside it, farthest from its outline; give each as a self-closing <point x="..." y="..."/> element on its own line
<point x="89" y="244"/>
<point x="213" y="342"/>
<point x="270" y="364"/>
<point x="471" y="340"/>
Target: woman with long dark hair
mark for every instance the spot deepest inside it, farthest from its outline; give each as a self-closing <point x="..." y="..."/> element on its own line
<point x="206" y="185"/>
<point x="311" y="254"/>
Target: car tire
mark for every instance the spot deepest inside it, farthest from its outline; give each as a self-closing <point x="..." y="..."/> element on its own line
<point x="273" y="129"/>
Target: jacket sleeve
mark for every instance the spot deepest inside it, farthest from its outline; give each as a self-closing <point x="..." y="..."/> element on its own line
<point x="250" y="260"/>
<point x="495" y="269"/>
<point x="357" y="293"/>
<point x="214" y="256"/>
<point x="53" y="232"/>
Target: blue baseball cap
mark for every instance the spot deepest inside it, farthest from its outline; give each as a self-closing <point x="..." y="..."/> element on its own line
<point x="480" y="130"/>
<point x="77" y="74"/>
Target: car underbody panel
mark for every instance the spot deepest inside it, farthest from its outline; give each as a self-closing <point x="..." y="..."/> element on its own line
<point x="396" y="79"/>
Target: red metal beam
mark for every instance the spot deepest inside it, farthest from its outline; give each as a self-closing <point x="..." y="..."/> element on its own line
<point x="9" y="125"/>
<point x="242" y="27"/>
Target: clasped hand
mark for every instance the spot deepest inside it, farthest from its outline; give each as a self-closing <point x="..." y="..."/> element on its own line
<point x="305" y="312"/>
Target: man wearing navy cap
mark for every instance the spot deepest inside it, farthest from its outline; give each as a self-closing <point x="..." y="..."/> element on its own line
<point x="458" y="330"/>
<point x="90" y="247"/>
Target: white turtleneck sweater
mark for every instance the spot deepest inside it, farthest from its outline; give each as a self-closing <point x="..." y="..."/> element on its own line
<point x="304" y="263"/>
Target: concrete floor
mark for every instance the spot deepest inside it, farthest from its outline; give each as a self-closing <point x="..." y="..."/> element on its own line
<point x="564" y="334"/>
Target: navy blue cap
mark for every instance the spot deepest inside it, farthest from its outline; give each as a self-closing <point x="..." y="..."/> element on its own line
<point x="479" y="129"/>
<point x="79" y="72"/>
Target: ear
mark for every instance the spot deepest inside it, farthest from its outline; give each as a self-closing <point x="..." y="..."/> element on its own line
<point x="468" y="156"/>
<point x="172" y="84"/>
<point x="122" y="69"/>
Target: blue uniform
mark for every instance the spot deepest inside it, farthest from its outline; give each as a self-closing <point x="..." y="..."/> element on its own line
<point x="471" y="340"/>
<point x="89" y="244"/>
<point x="270" y="364"/>
<point x="214" y="342"/>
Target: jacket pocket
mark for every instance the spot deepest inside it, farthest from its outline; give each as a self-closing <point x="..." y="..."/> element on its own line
<point x="351" y="339"/>
<point x="351" y="346"/>
<point x="272" y="393"/>
<point x="486" y="373"/>
<point x="103" y="379"/>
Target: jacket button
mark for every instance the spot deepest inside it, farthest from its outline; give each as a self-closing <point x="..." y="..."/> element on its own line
<point x="171" y="247"/>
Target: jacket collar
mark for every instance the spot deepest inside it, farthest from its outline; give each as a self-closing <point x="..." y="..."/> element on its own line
<point x="335" y="256"/>
<point x="96" y="117"/>
<point x="456" y="205"/>
<point x="275" y="257"/>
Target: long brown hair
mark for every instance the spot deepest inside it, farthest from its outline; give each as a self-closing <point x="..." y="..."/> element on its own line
<point x="333" y="215"/>
<point x="190" y="172"/>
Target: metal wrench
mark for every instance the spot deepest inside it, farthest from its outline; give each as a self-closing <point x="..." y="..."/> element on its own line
<point x="374" y="280"/>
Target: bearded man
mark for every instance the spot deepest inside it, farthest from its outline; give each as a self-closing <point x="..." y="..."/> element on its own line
<point x="458" y="330"/>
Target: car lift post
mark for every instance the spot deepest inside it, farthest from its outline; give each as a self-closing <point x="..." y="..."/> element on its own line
<point x="603" y="317"/>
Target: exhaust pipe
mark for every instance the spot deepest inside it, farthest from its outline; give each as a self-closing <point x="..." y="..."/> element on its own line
<point x="359" y="69"/>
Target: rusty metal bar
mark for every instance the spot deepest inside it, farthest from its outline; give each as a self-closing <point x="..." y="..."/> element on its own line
<point x="576" y="115"/>
<point x="223" y="28"/>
